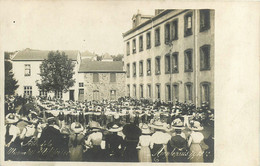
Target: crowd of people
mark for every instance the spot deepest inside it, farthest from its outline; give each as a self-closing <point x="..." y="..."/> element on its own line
<point x="126" y="130"/>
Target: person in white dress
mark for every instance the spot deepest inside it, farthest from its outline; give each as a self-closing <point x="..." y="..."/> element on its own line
<point x="144" y="153"/>
<point x="159" y="142"/>
<point x="12" y="133"/>
<point x="195" y="139"/>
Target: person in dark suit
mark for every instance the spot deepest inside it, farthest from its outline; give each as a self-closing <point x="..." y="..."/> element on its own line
<point x="113" y="142"/>
<point x="51" y="138"/>
<point x="177" y="147"/>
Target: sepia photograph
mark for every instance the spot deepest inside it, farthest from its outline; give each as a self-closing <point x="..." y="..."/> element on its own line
<point x="151" y="102"/>
<point x="89" y="83"/>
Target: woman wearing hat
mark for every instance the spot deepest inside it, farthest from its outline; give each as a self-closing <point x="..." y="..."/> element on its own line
<point x="94" y="140"/>
<point x="113" y="141"/>
<point x="159" y="142"/>
<point x="132" y="133"/>
<point x="196" y="137"/>
<point x="144" y="154"/>
<point x="76" y="142"/>
<point x="12" y="134"/>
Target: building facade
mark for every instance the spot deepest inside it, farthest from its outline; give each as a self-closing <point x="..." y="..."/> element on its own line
<point x="26" y="69"/>
<point x="101" y="80"/>
<point x="170" y="56"/>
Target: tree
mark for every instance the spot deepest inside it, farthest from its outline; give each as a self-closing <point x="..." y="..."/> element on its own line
<point x="56" y="73"/>
<point x="10" y="82"/>
<point x="99" y="58"/>
<point x="118" y="57"/>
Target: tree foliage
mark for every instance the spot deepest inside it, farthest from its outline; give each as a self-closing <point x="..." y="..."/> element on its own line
<point x="99" y="58"/>
<point x="56" y="73"/>
<point x="10" y="82"/>
<point x="118" y="57"/>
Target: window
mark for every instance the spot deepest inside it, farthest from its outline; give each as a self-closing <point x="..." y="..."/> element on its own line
<point x="134" y="90"/>
<point x="81" y="84"/>
<point x="204" y="20"/>
<point x="188" y="24"/>
<point x="188" y="60"/>
<point x="157" y="65"/>
<point x="141" y="91"/>
<point x="27" y="90"/>
<point x="43" y="93"/>
<point x="27" y="70"/>
<point x="158" y="91"/>
<point x="175" y="68"/>
<point x="141" y="68"/>
<point x="128" y="70"/>
<point x="205" y="57"/>
<point x="168" y="92"/>
<point x="175" y="30"/>
<point x="148" y="40"/>
<point x="188" y="92"/>
<point x="134" y="46"/>
<point x="134" y="69"/>
<point x="95" y="77"/>
<point x="157" y="37"/>
<point x="81" y="91"/>
<point x="128" y="90"/>
<point x="149" y="91"/>
<point x="112" y="77"/>
<point x="205" y="92"/>
<point x="167" y="33"/>
<point x="175" y="92"/>
<point x="127" y="48"/>
<point x="167" y="64"/>
<point x="141" y="43"/>
<point x="112" y="94"/>
<point x="58" y="94"/>
<point x="149" y="67"/>
<point x="96" y="95"/>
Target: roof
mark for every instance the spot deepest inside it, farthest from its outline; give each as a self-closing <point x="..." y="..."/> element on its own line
<point x="153" y="18"/>
<point x="87" y="54"/>
<point x="101" y="67"/>
<point x="107" y="56"/>
<point x="39" y="55"/>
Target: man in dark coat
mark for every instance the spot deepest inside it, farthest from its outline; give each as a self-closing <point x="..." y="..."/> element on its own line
<point x="132" y="133"/>
<point x="51" y="141"/>
<point x="177" y="148"/>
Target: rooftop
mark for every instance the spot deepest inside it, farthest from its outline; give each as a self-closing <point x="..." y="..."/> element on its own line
<point x="101" y="67"/>
<point x="39" y="55"/>
<point x="107" y="56"/>
<point x="87" y="54"/>
<point x="150" y="20"/>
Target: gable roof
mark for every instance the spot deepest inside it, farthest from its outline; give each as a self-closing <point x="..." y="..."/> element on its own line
<point x="40" y="55"/>
<point x="101" y="67"/>
<point x="106" y="56"/>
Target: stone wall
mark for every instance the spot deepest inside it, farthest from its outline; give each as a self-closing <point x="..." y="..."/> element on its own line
<point x="102" y="89"/>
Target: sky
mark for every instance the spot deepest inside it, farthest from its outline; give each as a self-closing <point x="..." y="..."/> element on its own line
<point x="67" y="25"/>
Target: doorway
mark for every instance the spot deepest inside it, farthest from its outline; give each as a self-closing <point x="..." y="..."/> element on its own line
<point x="72" y="95"/>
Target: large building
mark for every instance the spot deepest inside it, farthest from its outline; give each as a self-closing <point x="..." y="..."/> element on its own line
<point x="170" y="56"/>
<point x="94" y="80"/>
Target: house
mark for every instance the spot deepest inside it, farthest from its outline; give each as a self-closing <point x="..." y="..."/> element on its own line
<point x="101" y="80"/>
<point x="170" y="56"/>
<point x="88" y="55"/>
<point x="107" y="58"/>
<point x="26" y="69"/>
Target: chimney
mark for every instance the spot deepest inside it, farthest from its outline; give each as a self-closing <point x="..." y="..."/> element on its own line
<point x="136" y="19"/>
